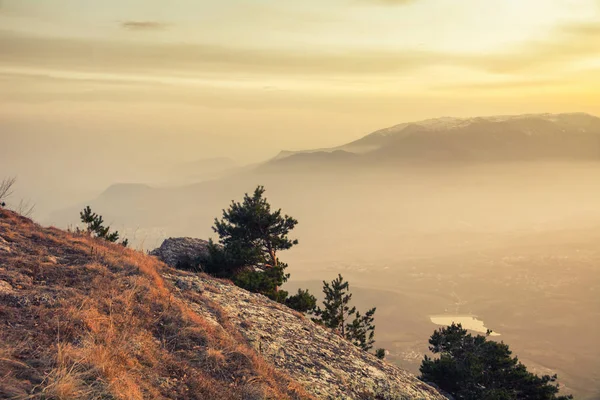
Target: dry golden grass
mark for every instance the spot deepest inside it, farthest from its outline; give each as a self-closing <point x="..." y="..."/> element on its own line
<point x="87" y="319"/>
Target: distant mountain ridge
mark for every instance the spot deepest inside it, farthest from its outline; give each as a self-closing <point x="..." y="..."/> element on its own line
<point x="492" y="138"/>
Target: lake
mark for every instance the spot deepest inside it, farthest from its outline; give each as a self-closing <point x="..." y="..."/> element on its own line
<point x="467" y="321"/>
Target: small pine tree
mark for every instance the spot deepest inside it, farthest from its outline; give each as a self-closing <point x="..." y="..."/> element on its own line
<point x="361" y="330"/>
<point x="95" y="226"/>
<point x="380" y="353"/>
<point x="338" y="315"/>
<point x="336" y="305"/>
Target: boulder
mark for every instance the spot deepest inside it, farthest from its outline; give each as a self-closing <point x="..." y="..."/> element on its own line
<point x="175" y="251"/>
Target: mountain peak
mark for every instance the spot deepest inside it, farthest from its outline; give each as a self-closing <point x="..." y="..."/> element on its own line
<point x="449" y="123"/>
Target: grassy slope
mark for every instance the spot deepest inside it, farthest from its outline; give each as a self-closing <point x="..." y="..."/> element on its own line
<point x="85" y="319"/>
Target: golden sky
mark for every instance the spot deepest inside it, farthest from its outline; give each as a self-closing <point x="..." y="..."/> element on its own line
<point x="185" y="79"/>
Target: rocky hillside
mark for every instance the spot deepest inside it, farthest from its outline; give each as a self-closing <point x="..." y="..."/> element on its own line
<point x="85" y="319"/>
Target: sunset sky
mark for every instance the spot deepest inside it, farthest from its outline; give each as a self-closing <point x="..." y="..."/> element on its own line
<point x="187" y="79"/>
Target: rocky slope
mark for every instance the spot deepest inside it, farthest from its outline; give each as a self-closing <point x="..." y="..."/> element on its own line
<point x="327" y="365"/>
<point x="85" y="319"/>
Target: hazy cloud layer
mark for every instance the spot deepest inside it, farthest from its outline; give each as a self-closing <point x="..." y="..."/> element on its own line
<point x="390" y="2"/>
<point x="567" y="44"/>
<point x="122" y="57"/>
<point x="144" y="25"/>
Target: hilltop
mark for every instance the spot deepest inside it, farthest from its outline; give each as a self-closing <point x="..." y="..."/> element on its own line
<point x="86" y="319"/>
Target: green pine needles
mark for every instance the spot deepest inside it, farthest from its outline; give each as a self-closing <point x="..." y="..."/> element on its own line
<point x="95" y="227"/>
<point x="475" y="368"/>
<point x="338" y="315"/>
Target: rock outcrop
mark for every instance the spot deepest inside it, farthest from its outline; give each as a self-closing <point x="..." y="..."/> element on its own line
<point x="328" y="366"/>
<point x="174" y="251"/>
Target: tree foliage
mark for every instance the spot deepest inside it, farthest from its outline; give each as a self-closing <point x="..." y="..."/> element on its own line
<point x="336" y="306"/>
<point x="266" y="282"/>
<point x="253" y="233"/>
<point x="475" y="368"/>
<point x="219" y="262"/>
<point x="303" y="301"/>
<point x="339" y="315"/>
<point x="361" y="331"/>
<point x="95" y="226"/>
<point x="250" y="237"/>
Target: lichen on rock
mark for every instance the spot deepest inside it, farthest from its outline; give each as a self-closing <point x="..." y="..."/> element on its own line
<point x="327" y="365"/>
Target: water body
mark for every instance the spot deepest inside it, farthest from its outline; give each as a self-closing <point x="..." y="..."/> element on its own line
<point x="467" y="321"/>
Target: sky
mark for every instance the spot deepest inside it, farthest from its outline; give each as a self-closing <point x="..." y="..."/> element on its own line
<point x="117" y="85"/>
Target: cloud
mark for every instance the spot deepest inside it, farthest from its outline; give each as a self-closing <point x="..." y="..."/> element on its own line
<point x="143" y="25"/>
<point x="88" y="55"/>
<point x="567" y="44"/>
<point x="390" y="2"/>
<point x="504" y="85"/>
<point x="563" y="47"/>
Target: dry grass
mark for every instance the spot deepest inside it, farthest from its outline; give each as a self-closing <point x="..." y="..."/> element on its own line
<point x="88" y="319"/>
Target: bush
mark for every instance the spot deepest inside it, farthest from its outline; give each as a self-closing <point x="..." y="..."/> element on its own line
<point x="219" y="262"/>
<point x="303" y="301"/>
<point x="264" y="282"/>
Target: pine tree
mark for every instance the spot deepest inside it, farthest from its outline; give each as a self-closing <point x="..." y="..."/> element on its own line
<point x="250" y="237"/>
<point x="253" y="232"/>
<point x="338" y="315"/>
<point x="95" y="226"/>
<point x="475" y="368"/>
<point x="361" y="330"/>
<point x="336" y="305"/>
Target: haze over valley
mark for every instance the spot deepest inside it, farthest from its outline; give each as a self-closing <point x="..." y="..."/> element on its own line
<point x="500" y="222"/>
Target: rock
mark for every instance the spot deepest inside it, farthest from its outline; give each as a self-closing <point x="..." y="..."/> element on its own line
<point x="174" y="251"/>
<point x="187" y="283"/>
<point x="328" y="366"/>
<point x="4" y="245"/>
<point x="5" y="287"/>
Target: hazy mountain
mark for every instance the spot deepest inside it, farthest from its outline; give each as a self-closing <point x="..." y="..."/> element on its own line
<point x="199" y="170"/>
<point x="485" y="139"/>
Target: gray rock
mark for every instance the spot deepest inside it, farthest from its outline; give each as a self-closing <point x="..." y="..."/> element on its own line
<point x="187" y="283"/>
<point x="328" y="366"/>
<point x="174" y="251"/>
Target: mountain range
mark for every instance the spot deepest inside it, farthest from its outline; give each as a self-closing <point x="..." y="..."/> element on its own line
<point x="574" y="136"/>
